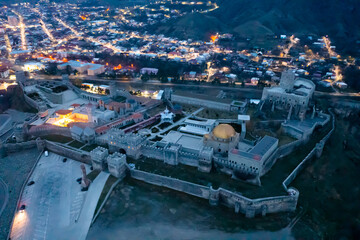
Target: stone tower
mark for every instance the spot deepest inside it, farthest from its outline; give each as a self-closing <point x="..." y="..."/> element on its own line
<point x="117" y="164"/>
<point x="205" y="159"/>
<point x="20" y="77"/>
<point x="98" y="158"/>
<point x="19" y="132"/>
<point x="287" y="80"/>
<point x="112" y="89"/>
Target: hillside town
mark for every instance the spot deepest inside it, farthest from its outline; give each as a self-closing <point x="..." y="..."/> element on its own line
<point x="111" y="43"/>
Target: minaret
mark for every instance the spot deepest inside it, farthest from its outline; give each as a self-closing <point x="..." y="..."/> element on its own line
<point x="243" y="119"/>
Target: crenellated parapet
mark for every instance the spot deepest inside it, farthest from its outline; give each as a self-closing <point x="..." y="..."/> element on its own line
<point x="171" y="153"/>
<point x="98" y="158"/>
<point x="205" y="159"/>
<point x="129" y="143"/>
<point x="117" y="164"/>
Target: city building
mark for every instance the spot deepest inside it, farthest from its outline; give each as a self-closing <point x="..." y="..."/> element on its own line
<point x="83" y="114"/>
<point x="253" y="159"/>
<point x="167" y="116"/>
<point x="222" y="147"/>
<point x="33" y="66"/>
<point x="90" y="68"/>
<point x="4" y="72"/>
<point x="85" y="135"/>
<point x="198" y="127"/>
<point x="149" y="71"/>
<point x="13" y="21"/>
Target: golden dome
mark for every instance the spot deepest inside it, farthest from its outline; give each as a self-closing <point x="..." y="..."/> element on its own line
<point x="224" y="131"/>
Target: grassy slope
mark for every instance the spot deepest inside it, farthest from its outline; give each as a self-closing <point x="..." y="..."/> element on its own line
<point x="329" y="187"/>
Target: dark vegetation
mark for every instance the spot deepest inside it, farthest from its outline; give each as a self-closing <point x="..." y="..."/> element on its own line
<point x="57" y="138"/>
<point x="351" y="76"/>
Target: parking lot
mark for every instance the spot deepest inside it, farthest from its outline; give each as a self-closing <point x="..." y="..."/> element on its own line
<point x="56" y="208"/>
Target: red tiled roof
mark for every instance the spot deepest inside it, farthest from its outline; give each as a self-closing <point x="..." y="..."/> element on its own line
<point x="175" y="53"/>
<point x="116" y="104"/>
<point x="63" y="111"/>
<point x="116" y="122"/>
<point x="136" y="116"/>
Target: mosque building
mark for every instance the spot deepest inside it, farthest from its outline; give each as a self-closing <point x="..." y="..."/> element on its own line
<point x="222" y="138"/>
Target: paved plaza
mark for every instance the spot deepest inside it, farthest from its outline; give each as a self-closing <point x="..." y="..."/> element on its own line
<point x="56" y="208"/>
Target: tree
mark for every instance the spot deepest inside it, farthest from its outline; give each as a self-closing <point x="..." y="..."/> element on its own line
<point x="163" y="79"/>
<point x="77" y="82"/>
<point x="68" y="70"/>
<point x="145" y="77"/>
<point x="351" y="77"/>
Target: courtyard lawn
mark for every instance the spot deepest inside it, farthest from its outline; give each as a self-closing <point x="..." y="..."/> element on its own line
<point x="57" y="138"/>
<point x="76" y="144"/>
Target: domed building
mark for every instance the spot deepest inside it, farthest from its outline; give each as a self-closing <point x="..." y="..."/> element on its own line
<point x="222" y="138"/>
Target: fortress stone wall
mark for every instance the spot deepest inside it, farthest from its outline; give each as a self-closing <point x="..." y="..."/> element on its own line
<point x="31" y="102"/>
<point x="152" y="151"/>
<point x="57" y="148"/>
<point x="301" y="134"/>
<point x="316" y="151"/>
<point x="247" y="206"/>
<point x="57" y="98"/>
<point x="200" y="102"/>
<point x="174" y="156"/>
<point x="241" y="204"/>
<point x="43" y="130"/>
<point x="190" y="159"/>
<point x="17" y="147"/>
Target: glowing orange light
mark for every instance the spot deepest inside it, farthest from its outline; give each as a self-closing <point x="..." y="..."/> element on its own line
<point x="107" y="64"/>
<point x="132" y="65"/>
<point x="118" y="67"/>
<point x="83" y="17"/>
<point x="107" y="9"/>
<point x="213" y="38"/>
<point x="64" y="60"/>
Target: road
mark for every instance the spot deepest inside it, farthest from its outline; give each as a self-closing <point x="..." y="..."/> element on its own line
<point x="256" y="92"/>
